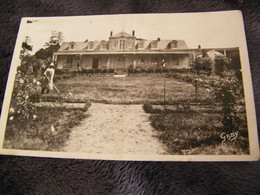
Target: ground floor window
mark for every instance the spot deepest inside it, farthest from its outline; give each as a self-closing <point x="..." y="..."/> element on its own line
<point x="95" y="63"/>
<point x="69" y="60"/>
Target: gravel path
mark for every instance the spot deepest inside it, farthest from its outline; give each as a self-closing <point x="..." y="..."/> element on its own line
<point x="115" y="129"/>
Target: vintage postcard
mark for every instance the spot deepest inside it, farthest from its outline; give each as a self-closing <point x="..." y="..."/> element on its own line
<point x="149" y="87"/>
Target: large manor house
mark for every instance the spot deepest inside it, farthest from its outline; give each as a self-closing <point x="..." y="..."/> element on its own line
<point x="123" y="51"/>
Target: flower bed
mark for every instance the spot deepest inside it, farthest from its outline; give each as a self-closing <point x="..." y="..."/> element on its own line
<point x="47" y="130"/>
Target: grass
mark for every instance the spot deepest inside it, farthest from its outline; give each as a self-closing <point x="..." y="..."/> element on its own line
<point x="47" y="132"/>
<point x="131" y="89"/>
<point x="194" y="132"/>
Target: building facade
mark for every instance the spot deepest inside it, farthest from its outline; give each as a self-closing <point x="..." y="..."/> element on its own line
<point x="123" y="51"/>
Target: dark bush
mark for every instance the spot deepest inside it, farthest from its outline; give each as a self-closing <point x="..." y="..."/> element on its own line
<point x="147" y="107"/>
<point x="221" y="62"/>
<point x="165" y="70"/>
<point x="75" y="73"/>
<point x="98" y="70"/>
<point x="130" y="70"/>
<point x="104" y="71"/>
<point x="158" y="70"/>
<point x="91" y="71"/>
<point x="143" y="70"/>
<point x="137" y="70"/>
<point x="58" y="71"/>
<point x="150" y="70"/>
<point x="188" y="79"/>
<point x="84" y="71"/>
<point x="35" y="98"/>
<point x="86" y="106"/>
<point x="110" y="70"/>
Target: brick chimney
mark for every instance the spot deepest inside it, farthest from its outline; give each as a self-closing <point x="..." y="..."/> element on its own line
<point x="133" y="33"/>
<point x="158" y="39"/>
<point x="111" y="33"/>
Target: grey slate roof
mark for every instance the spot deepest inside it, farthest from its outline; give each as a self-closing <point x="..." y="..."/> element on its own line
<point x="161" y="44"/>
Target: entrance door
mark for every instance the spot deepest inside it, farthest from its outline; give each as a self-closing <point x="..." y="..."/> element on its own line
<point x="120" y="68"/>
<point x="95" y="63"/>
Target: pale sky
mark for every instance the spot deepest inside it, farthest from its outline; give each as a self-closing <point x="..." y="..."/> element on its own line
<point x="210" y="30"/>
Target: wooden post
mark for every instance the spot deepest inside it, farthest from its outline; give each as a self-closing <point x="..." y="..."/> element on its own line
<point x="164" y="93"/>
<point x="196" y="92"/>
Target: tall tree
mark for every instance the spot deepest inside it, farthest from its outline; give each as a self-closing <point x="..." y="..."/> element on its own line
<point x="26" y="47"/>
<point x="55" y="38"/>
<point x="51" y="46"/>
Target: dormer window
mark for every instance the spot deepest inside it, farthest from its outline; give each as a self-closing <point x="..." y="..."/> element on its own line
<point x="141" y="45"/>
<point x="154" y="45"/>
<point x="72" y="44"/>
<point x="103" y="45"/>
<point x="122" y="44"/>
<point x="91" y="45"/>
<point x="174" y="44"/>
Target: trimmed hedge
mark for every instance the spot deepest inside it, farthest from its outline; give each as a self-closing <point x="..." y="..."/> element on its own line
<point x="68" y="73"/>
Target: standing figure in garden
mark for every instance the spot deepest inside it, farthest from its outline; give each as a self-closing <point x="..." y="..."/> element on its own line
<point x="49" y="75"/>
<point x="163" y="63"/>
<point x="79" y="62"/>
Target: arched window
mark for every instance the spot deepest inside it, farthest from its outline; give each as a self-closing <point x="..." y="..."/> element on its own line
<point x="174" y="44"/>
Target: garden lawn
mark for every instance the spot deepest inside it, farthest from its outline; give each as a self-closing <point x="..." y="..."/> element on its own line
<point x="47" y="132"/>
<point x="190" y="132"/>
<point x="131" y="89"/>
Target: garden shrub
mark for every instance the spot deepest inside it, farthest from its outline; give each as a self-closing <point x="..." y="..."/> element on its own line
<point x="130" y="70"/>
<point x="147" y="108"/>
<point x="87" y="106"/>
<point x="110" y="70"/>
<point x="228" y="92"/>
<point x="84" y="71"/>
<point x="221" y="62"/>
<point x="188" y="79"/>
<point x="25" y="91"/>
<point x="137" y="70"/>
<point x="165" y="70"/>
<point x="158" y="70"/>
<point x="150" y="70"/>
<point x="143" y="70"/>
<point x="97" y="70"/>
<point x="58" y="71"/>
<point x="74" y="74"/>
<point x="91" y="71"/>
<point x="204" y="63"/>
<point x="104" y="71"/>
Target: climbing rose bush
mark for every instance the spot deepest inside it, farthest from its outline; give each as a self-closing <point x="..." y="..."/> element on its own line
<point x="228" y="92"/>
<point x="25" y="93"/>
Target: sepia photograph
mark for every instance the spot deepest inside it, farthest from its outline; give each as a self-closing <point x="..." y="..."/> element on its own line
<point x="159" y="87"/>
